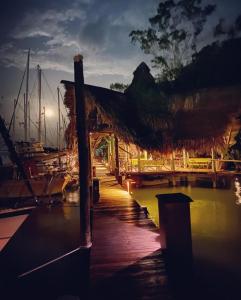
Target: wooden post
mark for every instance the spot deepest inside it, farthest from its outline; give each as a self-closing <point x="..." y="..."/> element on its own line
<point x="187" y="157"/>
<point x="175" y="234"/>
<point x="127" y="157"/>
<point x="173" y="161"/>
<point x="112" y="154"/>
<point x="145" y="155"/>
<point x="117" y="163"/>
<point x="184" y="158"/>
<point x="213" y="161"/>
<point x="83" y="153"/>
<point x="108" y="153"/>
<point x="138" y="159"/>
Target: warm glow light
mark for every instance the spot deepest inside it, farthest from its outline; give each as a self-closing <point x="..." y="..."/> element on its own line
<point x="237" y="191"/>
<point x="49" y="113"/>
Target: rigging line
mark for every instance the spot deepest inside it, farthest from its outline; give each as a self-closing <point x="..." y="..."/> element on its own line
<point x="34" y="85"/>
<point x="54" y="96"/>
<point x="31" y="94"/>
<point x="50" y="89"/>
<point x="64" y="123"/>
<point x="63" y="102"/>
<point x="16" y="103"/>
<point x="32" y="122"/>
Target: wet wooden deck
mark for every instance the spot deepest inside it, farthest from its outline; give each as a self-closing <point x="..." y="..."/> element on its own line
<point x="126" y="259"/>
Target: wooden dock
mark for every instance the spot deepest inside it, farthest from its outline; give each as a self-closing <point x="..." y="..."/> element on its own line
<point x="126" y="259"/>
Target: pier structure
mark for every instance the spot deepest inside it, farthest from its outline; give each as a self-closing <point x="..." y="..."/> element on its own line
<point x="110" y="246"/>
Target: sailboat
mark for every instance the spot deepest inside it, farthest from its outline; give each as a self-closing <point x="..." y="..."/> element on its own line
<point x="33" y="173"/>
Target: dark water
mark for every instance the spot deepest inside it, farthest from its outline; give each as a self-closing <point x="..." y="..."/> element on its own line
<point x="216" y="236"/>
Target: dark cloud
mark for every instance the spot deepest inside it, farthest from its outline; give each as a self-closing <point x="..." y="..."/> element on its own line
<point x="55" y="30"/>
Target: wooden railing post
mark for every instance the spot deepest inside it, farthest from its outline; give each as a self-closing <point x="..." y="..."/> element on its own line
<point x="139" y="160"/>
<point x="184" y="158"/>
<point x="213" y="161"/>
<point x="173" y="161"/>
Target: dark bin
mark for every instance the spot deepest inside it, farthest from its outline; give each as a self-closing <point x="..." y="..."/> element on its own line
<point x="96" y="190"/>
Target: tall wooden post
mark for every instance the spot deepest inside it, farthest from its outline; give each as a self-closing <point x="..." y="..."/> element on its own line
<point x="83" y="153"/>
<point x="117" y="163"/>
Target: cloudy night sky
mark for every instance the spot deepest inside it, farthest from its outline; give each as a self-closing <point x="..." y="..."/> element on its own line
<point x="56" y="30"/>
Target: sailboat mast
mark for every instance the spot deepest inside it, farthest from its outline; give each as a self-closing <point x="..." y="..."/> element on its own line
<point x="14" y="116"/>
<point x="26" y="99"/>
<point x="57" y="135"/>
<point x="25" y="117"/>
<point x="29" y="120"/>
<point x="45" y="131"/>
<point x="39" y="104"/>
<point x="59" y="124"/>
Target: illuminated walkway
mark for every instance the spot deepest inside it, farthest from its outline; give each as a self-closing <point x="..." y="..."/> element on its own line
<point x="126" y="261"/>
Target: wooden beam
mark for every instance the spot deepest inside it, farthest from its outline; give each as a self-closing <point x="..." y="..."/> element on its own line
<point x="83" y="153"/>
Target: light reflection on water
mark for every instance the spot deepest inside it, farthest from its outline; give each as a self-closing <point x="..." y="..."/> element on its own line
<point x="237" y="190"/>
<point x="216" y="230"/>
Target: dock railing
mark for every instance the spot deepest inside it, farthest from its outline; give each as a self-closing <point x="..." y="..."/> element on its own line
<point x="166" y="164"/>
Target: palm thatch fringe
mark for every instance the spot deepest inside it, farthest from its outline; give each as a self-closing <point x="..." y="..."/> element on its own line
<point x="145" y="116"/>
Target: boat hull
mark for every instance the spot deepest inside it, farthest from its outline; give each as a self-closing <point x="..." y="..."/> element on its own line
<point x="41" y="187"/>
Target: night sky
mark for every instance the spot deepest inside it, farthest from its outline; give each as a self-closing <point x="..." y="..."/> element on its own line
<point x="56" y="30"/>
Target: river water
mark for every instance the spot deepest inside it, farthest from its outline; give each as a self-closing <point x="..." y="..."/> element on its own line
<point x="216" y="235"/>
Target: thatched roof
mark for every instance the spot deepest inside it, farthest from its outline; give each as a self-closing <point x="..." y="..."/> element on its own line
<point x="158" y="120"/>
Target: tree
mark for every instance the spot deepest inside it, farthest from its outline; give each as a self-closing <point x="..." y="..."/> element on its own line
<point x="120" y="87"/>
<point x="229" y="31"/>
<point x="172" y="36"/>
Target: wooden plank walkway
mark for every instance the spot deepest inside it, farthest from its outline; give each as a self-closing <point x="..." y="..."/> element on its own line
<point x="126" y="259"/>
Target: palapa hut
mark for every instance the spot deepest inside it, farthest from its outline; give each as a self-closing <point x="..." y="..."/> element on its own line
<point x="199" y="111"/>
